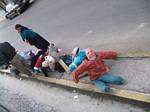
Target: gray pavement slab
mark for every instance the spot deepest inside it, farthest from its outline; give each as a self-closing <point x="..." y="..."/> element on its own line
<point x="135" y="71"/>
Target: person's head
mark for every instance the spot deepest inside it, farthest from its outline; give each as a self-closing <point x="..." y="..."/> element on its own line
<point x="18" y="28"/>
<point x="90" y="54"/>
<point x="75" y="51"/>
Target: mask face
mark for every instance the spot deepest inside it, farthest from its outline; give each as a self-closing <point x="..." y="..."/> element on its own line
<point x="90" y="54"/>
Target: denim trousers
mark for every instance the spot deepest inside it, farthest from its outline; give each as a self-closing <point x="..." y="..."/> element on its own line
<point x="102" y="81"/>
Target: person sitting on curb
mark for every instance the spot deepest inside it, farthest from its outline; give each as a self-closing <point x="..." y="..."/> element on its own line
<point x="9" y="55"/>
<point x="77" y="58"/>
<point x="97" y="71"/>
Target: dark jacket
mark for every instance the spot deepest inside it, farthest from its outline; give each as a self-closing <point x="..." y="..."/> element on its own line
<point x="34" y="39"/>
<point x="7" y="52"/>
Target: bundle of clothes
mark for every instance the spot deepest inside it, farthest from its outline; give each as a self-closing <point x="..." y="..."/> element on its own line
<point x="41" y="61"/>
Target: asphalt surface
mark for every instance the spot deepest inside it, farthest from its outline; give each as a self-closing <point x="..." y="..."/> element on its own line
<point x="120" y="25"/>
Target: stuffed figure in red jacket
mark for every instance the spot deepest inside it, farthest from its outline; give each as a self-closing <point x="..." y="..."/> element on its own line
<point x="97" y="71"/>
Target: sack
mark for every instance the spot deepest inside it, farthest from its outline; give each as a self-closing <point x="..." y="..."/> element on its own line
<point x="67" y="59"/>
<point x="58" y="67"/>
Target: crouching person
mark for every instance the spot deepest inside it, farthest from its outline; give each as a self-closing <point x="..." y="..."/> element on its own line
<point x="96" y="69"/>
<point x="8" y="55"/>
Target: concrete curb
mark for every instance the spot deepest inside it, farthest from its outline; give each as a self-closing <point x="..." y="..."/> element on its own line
<point x="131" y="95"/>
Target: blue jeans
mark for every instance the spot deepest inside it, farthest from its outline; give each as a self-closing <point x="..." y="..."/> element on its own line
<point x="100" y="82"/>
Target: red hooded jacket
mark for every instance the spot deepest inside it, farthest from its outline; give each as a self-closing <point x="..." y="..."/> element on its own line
<point x="95" y="68"/>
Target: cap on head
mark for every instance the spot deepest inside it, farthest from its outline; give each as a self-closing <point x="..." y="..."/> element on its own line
<point x="75" y="51"/>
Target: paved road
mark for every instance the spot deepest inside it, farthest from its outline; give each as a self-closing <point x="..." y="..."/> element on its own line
<point x="121" y="25"/>
<point x="26" y="96"/>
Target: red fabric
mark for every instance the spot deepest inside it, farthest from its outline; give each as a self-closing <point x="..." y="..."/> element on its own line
<point x="57" y="51"/>
<point x="38" y="62"/>
<point x="46" y="53"/>
<point x="95" y="68"/>
<point x="29" y="41"/>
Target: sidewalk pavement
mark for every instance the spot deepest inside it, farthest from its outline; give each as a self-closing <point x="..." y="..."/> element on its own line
<point x="134" y="68"/>
<point x="136" y="72"/>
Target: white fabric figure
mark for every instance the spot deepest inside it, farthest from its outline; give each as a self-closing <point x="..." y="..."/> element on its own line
<point x="49" y="62"/>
